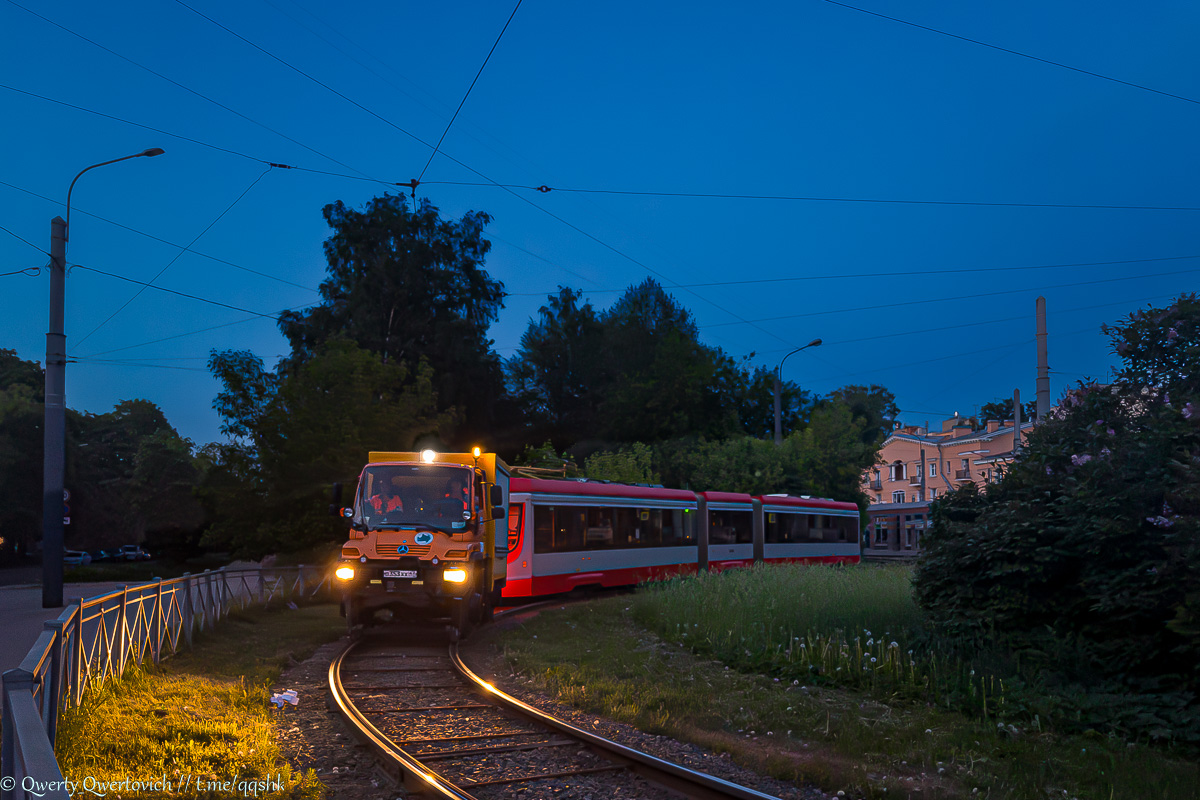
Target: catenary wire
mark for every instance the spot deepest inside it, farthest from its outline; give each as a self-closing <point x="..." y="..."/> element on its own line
<point x="958" y="297"/>
<point x="1014" y="52"/>
<point x="23" y="239"/>
<point x="178" y="255"/>
<point x="165" y="241"/>
<point x="482" y="66"/>
<point x="257" y="317"/>
<point x="181" y="86"/>
<point x="146" y="285"/>
<point x="814" y="198"/>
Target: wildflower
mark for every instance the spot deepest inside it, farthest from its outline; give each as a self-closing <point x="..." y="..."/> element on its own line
<point x="1172" y="335"/>
<point x="893" y="644"/>
<point x="929" y="730"/>
<point x="1080" y="460"/>
<point x="1159" y="522"/>
<point x="1105" y="452"/>
<point x="1189" y="411"/>
<point x="872" y="659"/>
<point x="1111" y="432"/>
<point x="1049" y="471"/>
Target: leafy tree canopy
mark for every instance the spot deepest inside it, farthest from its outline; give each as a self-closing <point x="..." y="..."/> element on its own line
<point x="306" y="429"/>
<point x="408" y="285"/>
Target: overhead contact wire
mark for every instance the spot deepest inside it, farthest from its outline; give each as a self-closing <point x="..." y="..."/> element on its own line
<point x="468" y="93"/>
<point x="178" y="256"/>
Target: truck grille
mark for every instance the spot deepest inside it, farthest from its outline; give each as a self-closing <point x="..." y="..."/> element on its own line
<point x="393" y="550"/>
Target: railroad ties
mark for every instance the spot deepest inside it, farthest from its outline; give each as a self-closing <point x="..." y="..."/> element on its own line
<point x="448" y="736"/>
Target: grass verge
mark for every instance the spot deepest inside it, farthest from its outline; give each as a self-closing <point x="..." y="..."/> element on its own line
<point x="198" y="725"/>
<point x="867" y="741"/>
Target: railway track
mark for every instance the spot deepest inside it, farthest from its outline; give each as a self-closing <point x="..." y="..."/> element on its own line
<point x="445" y="732"/>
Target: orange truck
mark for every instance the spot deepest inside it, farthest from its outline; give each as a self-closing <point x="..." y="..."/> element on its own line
<point x="423" y="538"/>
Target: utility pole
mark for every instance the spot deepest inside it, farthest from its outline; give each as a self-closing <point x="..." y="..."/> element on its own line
<point x="1016" y="448"/>
<point x="1043" y="362"/>
<point x="54" y="433"/>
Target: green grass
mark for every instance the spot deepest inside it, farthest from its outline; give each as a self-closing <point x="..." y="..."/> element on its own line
<point x="731" y="684"/>
<point x="201" y="719"/>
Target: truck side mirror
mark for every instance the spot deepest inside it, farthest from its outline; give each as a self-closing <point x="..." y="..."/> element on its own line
<point x="497" y="495"/>
<point x="499" y="512"/>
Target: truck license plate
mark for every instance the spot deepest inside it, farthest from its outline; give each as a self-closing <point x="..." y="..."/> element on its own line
<point x="399" y="573"/>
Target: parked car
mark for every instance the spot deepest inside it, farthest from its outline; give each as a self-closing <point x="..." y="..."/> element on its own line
<point x="101" y="555"/>
<point x="133" y="552"/>
<point x="76" y="558"/>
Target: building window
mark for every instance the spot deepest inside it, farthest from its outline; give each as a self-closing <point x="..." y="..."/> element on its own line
<point x="898" y="472"/>
<point x="897" y="497"/>
<point x="933" y="493"/>
<point x="933" y="469"/>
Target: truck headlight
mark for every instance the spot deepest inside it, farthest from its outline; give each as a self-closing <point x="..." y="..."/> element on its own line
<point x="455" y="576"/>
<point x="345" y="573"/>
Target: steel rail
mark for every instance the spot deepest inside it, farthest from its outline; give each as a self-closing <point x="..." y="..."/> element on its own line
<point x="416" y="776"/>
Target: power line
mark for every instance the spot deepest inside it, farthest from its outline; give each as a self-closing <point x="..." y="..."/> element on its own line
<point x="23" y="239"/>
<point x="1013" y="52"/>
<point x="816" y="198"/>
<point x="146" y="285"/>
<point x="845" y="275"/>
<point x="958" y="297"/>
<point x="164" y="241"/>
<point x="30" y="271"/>
<point x="179" y="85"/>
<point x="257" y="316"/>
<point x="178" y="255"/>
<point x="468" y="94"/>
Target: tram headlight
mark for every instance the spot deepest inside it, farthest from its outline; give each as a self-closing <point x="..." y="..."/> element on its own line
<point x="455" y="576"/>
<point x="345" y="573"/>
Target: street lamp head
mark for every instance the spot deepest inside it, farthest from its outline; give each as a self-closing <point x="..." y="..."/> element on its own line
<point x="153" y="151"/>
<point x="814" y="343"/>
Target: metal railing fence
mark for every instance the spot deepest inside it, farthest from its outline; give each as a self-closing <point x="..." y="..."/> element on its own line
<point x="94" y="639"/>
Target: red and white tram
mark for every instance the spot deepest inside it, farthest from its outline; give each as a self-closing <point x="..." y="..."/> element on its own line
<point x="564" y="535"/>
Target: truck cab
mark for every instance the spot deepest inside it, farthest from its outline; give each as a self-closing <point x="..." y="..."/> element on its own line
<point x="422" y="542"/>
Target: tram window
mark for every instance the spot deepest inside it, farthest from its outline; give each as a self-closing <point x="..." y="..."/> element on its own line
<point x="599" y="533"/>
<point x="558" y="528"/>
<point x="678" y="528"/>
<point x="730" y="527"/>
<point x="784" y="528"/>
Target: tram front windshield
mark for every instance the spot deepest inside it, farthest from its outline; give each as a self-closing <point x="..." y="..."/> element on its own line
<point x="415" y="496"/>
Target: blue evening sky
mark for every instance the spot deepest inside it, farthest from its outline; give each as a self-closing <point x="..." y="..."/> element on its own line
<point x="803" y="99"/>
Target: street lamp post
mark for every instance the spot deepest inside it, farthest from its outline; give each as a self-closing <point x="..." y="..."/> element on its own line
<point x="54" y="431"/>
<point x="778" y="373"/>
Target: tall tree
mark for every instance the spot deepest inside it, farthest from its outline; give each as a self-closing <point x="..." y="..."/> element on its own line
<point x="408" y="285"/>
<point x="559" y="373"/>
<point x="873" y="405"/>
<point x="21" y="416"/>
<point x="1002" y="409"/>
<point x="270" y="492"/>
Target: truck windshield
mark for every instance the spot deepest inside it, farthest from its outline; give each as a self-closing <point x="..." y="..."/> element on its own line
<point x="415" y="495"/>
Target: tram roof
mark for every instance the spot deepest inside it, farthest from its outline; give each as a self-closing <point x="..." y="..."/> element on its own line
<point x="597" y="489"/>
<point x="805" y="502"/>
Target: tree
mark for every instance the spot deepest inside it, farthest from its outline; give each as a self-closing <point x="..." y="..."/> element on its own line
<point x="21" y="417"/>
<point x="560" y="369"/>
<point x="270" y="493"/>
<point x="636" y="372"/>
<point x="1089" y="545"/>
<point x="873" y="405"/>
<point x="1002" y="409"/>
<point x="630" y="464"/>
<point x="407" y="285"/>
<point x="755" y="402"/>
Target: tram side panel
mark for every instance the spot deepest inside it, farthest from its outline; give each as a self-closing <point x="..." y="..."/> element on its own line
<point x="798" y="531"/>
